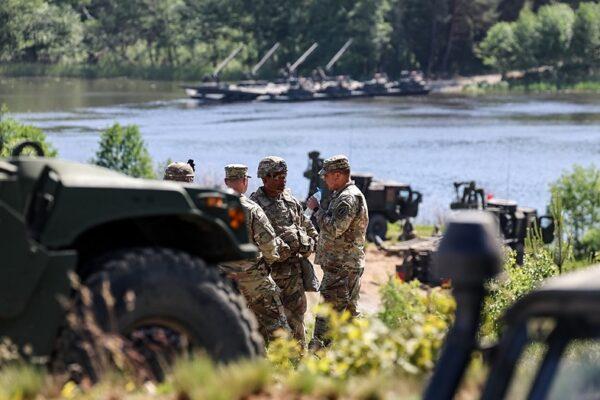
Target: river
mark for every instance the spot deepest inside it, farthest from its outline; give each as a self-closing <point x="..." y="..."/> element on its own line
<point x="512" y="145"/>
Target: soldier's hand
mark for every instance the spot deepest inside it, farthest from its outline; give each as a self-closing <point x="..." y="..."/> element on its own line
<point x="291" y="239"/>
<point x="312" y="203"/>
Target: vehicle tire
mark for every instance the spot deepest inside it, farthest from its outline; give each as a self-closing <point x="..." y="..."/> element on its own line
<point x="142" y="294"/>
<point x="377" y="227"/>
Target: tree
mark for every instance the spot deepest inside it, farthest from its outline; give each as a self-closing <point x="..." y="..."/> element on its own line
<point x="526" y="39"/>
<point x="497" y="50"/>
<point x="579" y="194"/>
<point x="122" y="149"/>
<point x="555" y="30"/>
<point x="585" y="46"/>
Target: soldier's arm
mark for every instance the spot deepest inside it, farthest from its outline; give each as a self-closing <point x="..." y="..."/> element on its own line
<point x="336" y="221"/>
<point x="271" y="246"/>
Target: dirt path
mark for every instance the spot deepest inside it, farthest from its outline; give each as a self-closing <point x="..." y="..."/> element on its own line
<point x="378" y="268"/>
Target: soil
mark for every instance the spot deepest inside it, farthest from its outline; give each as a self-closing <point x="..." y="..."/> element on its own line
<point x="378" y="268"/>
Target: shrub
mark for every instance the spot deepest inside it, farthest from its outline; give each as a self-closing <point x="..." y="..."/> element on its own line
<point x="12" y="133"/>
<point x="122" y="149"/>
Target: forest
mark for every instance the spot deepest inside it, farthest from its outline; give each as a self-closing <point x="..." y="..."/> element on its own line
<point x="186" y="39"/>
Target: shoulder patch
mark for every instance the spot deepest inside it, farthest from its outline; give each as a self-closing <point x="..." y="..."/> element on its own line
<point x="342" y="210"/>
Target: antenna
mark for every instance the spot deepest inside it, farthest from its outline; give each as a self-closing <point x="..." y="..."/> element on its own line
<point x="265" y="58"/>
<point x="303" y="57"/>
<point x="338" y="54"/>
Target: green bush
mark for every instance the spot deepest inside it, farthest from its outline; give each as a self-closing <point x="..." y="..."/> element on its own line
<point x="578" y="192"/>
<point x="122" y="149"/>
<point x="12" y="133"/>
<point x="517" y="281"/>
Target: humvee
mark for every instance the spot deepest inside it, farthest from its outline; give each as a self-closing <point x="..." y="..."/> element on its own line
<point x="549" y="346"/>
<point x="144" y="250"/>
<point x="388" y="201"/>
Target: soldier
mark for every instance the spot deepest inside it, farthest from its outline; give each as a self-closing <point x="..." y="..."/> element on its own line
<point x="286" y="215"/>
<point x="342" y="235"/>
<point x="257" y="286"/>
<point x="180" y="171"/>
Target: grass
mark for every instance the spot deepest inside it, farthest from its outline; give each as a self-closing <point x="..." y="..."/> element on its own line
<point x="591" y="86"/>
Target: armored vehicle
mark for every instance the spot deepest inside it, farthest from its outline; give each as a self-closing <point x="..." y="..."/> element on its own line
<point x="549" y="346"/>
<point x="388" y="201"/>
<point x="144" y="252"/>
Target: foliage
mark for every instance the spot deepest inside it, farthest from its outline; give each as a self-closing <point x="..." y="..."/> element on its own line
<point x="517" y="281"/>
<point x="579" y="194"/>
<point x="12" y="133"/>
<point x="554" y="36"/>
<point x="586" y="34"/>
<point x="122" y="149"/>
<point x="20" y="381"/>
<point x="175" y="39"/>
<point x="498" y="49"/>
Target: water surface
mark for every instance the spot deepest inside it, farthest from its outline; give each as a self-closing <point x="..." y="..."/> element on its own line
<point x="514" y="146"/>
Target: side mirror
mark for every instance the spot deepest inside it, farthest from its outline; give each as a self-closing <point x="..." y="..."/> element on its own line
<point x="36" y="146"/>
<point x="546" y="224"/>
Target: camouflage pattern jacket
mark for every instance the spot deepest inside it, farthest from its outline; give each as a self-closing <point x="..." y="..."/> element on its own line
<point x="343" y="228"/>
<point x="261" y="233"/>
<point x="287" y="218"/>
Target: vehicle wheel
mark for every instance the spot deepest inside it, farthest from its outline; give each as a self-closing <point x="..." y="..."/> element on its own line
<point x="377" y="227"/>
<point x="160" y="302"/>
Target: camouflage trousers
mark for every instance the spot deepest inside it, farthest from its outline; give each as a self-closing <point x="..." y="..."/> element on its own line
<point x="288" y="277"/>
<point x="263" y="298"/>
<point x="340" y="288"/>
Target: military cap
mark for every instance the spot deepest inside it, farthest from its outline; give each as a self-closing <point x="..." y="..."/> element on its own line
<point x="335" y="163"/>
<point x="179" y="171"/>
<point x="236" y="171"/>
<point x="271" y="165"/>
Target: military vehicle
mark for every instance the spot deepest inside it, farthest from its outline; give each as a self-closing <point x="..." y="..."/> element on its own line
<point x="144" y="250"/>
<point x="548" y="348"/>
<point x="388" y="201"/>
<point x="515" y="222"/>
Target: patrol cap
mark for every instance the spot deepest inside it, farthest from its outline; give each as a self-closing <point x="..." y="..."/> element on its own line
<point x="271" y="165"/>
<point x="236" y="171"/>
<point x="179" y="171"/>
<point x="335" y="163"/>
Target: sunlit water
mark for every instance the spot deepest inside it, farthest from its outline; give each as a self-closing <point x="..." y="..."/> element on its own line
<point x="514" y="146"/>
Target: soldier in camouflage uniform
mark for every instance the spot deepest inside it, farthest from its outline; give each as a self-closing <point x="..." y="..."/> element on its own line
<point x="180" y="171"/>
<point x="257" y="286"/>
<point x="286" y="215"/>
<point x="342" y="236"/>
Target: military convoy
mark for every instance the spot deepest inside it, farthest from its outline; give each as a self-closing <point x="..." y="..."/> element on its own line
<point x="388" y="201"/>
<point x="293" y="88"/>
<point x="136" y="257"/>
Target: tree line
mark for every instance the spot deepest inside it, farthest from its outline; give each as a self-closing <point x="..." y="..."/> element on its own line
<point x="439" y="37"/>
<point x="555" y="36"/>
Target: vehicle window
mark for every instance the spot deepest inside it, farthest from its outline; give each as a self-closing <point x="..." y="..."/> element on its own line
<point x="538" y="330"/>
<point x="578" y="375"/>
<point x="525" y="371"/>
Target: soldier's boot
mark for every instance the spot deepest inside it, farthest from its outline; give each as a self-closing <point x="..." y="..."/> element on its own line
<point x="320" y="339"/>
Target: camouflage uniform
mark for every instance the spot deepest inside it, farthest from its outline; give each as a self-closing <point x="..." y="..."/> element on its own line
<point x="340" y="249"/>
<point x="257" y="286"/>
<point x="286" y="215"/>
<point x="180" y="171"/>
